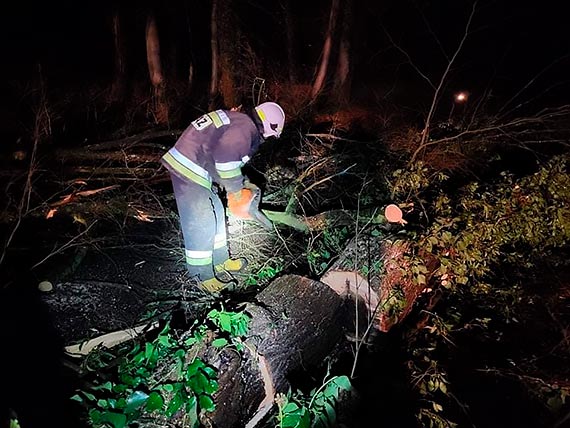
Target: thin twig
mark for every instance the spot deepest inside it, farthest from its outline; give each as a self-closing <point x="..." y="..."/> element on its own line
<point x="328" y="178"/>
<point x="541" y="117"/>
<point x="435" y="100"/>
<point x="430" y="29"/>
<point x="529" y="83"/>
<point x="24" y="202"/>
<point x="332" y="137"/>
<point x="65" y="246"/>
<point x="403" y="51"/>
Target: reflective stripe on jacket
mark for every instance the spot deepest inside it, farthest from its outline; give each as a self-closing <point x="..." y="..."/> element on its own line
<point x="214" y="148"/>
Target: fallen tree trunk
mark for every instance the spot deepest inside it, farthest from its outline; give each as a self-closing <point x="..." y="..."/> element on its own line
<point x="324" y="220"/>
<point x="374" y="271"/>
<point x="296" y="322"/>
<point x="133" y="140"/>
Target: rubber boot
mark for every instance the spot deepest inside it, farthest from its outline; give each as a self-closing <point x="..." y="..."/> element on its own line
<point x="214" y="285"/>
<point x="231" y="265"/>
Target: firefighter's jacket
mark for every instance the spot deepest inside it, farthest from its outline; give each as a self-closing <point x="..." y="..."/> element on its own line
<point x="214" y="148"/>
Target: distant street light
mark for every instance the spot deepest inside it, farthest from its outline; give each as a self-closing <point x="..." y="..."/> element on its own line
<point x="458" y="98"/>
<point x="461" y="97"/>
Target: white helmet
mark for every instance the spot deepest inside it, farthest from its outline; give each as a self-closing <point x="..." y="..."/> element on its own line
<point x="273" y="118"/>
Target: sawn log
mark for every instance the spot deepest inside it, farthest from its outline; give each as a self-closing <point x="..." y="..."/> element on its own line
<point x="296" y="322"/>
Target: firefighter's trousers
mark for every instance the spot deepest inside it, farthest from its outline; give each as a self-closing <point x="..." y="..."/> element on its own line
<point x="203" y="224"/>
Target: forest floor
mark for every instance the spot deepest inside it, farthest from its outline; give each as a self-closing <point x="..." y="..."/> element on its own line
<point x="102" y="229"/>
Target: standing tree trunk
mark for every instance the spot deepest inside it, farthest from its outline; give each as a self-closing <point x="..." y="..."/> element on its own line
<point x="159" y="102"/>
<point x="341" y="86"/>
<point x="215" y="52"/>
<point x="224" y="42"/>
<point x="326" y="53"/>
<point x="290" y="35"/>
<point x="119" y="78"/>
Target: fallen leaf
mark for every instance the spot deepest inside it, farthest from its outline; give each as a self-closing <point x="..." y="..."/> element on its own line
<point x="79" y="219"/>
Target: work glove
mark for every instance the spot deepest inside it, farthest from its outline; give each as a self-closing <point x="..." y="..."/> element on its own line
<point x="239" y="203"/>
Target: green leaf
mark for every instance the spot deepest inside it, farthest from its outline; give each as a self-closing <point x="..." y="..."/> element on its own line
<point x="192" y="412"/>
<point x="290" y="407"/>
<point x="343" y="382"/>
<point x="211" y="387"/>
<point x="199" y="383"/>
<point x="191" y="403"/>
<point x="107" y="386"/>
<point x="207" y="403"/>
<point x="225" y="321"/>
<point x="320" y="421"/>
<point x="219" y="343"/>
<point x="154" y="401"/>
<point x="130" y="380"/>
<point x="136" y="400"/>
<point x="212" y="374"/>
<point x="194" y="367"/>
<point x="165" y="330"/>
<point x="190" y="341"/>
<point x="95" y="416"/>
<point x="102" y="403"/>
<point x="89" y="396"/>
<point x="331" y="413"/>
<point x="174" y="405"/>
<point x="119" y="388"/>
<point x="291" y="421"/>
<point x="117" y="420"/>
<point x="77" y="398"/>
<point x="139" y="357"/>
<point x="168" y="387"/>
<point x="305" y="421"/>
<point x="151" y="353"/>
<point x="164" y="341"/>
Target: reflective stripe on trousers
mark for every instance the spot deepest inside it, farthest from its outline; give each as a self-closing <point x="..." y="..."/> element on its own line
<point x="203" y="224"/>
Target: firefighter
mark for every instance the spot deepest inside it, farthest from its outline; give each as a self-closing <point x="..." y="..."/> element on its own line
<point x="211" y="152"/>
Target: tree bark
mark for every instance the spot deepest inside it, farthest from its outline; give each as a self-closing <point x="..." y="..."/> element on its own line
<point x="225" y="42"/>
<point x="372" y="270"/>
<point x="119" y="78"/>
<point x="326" y="53"/>
<point x="324" y="220"/>
<point x="341" y="86"/>
<point x="296" y="322"/>
<point x="159" y="101"/>
<point x="214" y="52"/>
<point x="290" y="38"/>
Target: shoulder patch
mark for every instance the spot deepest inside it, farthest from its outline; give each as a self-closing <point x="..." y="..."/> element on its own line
<point x="202" y="122"/>
<point x="219" y="118"/>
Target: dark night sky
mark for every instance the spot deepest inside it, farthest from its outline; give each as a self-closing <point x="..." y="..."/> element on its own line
<point x="511" y="40"/>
